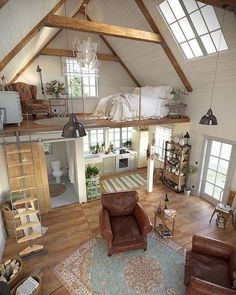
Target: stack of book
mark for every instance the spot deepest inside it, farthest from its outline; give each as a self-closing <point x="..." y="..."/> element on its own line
<point x="169" y="213"/>
<point x="28" y="287"/>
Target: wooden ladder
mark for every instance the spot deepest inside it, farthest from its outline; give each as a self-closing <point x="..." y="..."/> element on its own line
<point x="22" y="179"/>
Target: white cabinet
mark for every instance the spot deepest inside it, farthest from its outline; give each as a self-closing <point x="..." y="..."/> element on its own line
<point x="109" y="164"/>
<point x="10" y="100"/>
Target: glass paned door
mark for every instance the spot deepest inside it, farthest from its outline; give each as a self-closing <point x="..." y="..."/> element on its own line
<point x="217" y="169"/>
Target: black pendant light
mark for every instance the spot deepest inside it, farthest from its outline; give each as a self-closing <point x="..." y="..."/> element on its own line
<point x="209" y="118"/>
<point x="73" y="129"/>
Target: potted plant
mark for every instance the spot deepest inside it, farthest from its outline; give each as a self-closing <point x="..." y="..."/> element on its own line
<point x="92" y="182"/>
<point x="127" y="144"/>
<point x="189" y="171"/>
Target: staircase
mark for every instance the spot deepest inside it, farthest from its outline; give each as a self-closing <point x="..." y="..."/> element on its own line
<point x="22" y="180"/>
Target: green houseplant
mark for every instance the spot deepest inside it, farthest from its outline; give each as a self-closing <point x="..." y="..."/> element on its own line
<point x="189" y="171"/>
<point x="92" y="182"/>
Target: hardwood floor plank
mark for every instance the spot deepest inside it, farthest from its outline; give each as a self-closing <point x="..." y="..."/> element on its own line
<point x="69" y="226"/>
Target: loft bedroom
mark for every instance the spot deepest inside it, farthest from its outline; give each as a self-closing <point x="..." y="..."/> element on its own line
<point x="105" y="102"/>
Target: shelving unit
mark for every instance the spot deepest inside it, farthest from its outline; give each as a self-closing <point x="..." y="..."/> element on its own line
<point x="175" y="165"/>
<point x="22" y="179"/>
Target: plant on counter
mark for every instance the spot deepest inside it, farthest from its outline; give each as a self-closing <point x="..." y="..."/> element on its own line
<point x="127" y="144"/>
<point x="91" y="171"/>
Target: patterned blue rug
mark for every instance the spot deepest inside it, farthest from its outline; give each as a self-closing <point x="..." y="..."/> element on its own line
<point x="159" y="270"/>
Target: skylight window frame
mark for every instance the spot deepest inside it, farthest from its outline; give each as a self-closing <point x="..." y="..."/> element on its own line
<point x="197" y="37"/>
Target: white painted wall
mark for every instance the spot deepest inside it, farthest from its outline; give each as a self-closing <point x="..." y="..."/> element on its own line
<point x="4" y="189"/>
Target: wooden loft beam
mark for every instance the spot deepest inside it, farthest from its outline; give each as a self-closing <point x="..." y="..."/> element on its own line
<point x="165" y="47"/>
<point x="50" y="40"/>
<point x="69" y="53"/>
<point x="28" y="37"/>
<point x="3" y="2"/>
<point x="57" y="21"/>
<point x="221" y="3"/>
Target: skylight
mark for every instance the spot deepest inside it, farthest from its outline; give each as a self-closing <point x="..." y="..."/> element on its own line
<point x="195" y="27"/>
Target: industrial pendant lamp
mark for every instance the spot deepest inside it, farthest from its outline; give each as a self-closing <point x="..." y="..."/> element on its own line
<point x="72" y="129"/>
<point x="209" y="118"/>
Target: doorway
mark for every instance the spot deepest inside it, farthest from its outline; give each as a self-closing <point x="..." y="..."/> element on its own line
<point x="62" y="188"/>
<point x="217" y="169"/>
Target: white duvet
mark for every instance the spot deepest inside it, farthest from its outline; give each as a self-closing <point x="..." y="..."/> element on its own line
<point x="125" y="107"/>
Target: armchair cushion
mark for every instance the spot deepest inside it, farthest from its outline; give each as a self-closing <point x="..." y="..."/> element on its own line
<point x="125" y="230"/>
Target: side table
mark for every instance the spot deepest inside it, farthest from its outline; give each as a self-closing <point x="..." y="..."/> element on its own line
<point x="60" y="102"/>
<point x="167" y="222"/>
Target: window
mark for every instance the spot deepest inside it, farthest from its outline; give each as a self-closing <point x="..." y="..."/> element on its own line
<point x="118" y="136"/>
<point x="81" y="82"/>
<point x="195" y="27"/>
<point x="216" y="169"/>
<point x="163" y="134"/>
<point x="94" y="137"/>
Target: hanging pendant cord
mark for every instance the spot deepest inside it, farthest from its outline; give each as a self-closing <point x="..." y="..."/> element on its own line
<point x="217" y="58"/>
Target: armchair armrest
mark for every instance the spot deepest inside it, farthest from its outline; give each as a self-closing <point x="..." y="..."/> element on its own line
<point x="105" y="225"/>
<point x="212" y="247"/>
<point x="142" y="219"/>
<point x="200" y="287"/>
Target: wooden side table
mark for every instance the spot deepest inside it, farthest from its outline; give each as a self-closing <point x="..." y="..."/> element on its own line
<point x="166" y="227"/>
<point x="59" y="102"/>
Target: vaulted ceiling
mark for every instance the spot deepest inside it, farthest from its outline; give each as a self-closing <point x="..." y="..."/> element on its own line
<point x="23" y="35"/>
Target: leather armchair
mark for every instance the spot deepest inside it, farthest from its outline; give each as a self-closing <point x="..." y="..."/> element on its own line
<point x="209" y="267"/>
<point x="29" y="103"/>
<point x="123" y="223"/>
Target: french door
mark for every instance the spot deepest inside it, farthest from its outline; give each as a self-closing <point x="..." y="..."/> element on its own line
<point x="217" y="170"/>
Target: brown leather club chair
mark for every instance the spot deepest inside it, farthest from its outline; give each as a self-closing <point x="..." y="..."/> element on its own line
<point x="209" y="267"/>
<point x="123" y="223"/>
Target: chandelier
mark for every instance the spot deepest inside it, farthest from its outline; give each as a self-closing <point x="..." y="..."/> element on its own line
<point x="86" y="52"/>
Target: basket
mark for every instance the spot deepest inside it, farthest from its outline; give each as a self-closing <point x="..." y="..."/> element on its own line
<point x="10" y="222"/>
<point x="18" y="276"/>
<point x="38" y="291"/>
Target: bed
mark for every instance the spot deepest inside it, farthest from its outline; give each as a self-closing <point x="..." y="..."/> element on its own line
<point x="125" y="106"/>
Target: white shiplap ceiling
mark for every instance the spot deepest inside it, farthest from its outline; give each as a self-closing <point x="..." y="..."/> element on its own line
<point x="147" y="62"/>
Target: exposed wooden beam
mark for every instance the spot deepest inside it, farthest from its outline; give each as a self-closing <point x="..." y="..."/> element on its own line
<point x="49" y="41"/>
<point x="57" y="21"/>
<point x="221" y="3"/>
<point x="69" y="53"/>
<point x="165" y="47"/>
<point x="3" y="2"/>
<point x="28" y="37"/>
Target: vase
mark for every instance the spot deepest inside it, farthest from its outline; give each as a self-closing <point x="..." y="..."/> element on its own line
<point x="57" y="95"/>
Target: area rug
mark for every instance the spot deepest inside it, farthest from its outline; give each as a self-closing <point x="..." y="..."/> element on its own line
<point x="56" y="189"/>
<point x="159" y="270"/>
<point x="61" y="121"/>
<point x="122" y="183"/>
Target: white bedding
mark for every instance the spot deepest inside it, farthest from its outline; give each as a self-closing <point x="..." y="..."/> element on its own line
<point x="125" y="107"/>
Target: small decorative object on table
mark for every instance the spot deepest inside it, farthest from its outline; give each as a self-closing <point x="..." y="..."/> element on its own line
<point x="56" y="88"/>
<point x="166" y="216"/>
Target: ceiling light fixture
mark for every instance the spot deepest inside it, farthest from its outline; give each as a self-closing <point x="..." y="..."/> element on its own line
<point x="86" y="51"/>
<point x="72" y="129"/>
<point x="209" y="118"/>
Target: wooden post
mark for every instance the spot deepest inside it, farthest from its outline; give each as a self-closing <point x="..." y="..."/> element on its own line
<point x="150" y="164"/>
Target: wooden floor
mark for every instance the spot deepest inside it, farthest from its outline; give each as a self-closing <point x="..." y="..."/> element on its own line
<point x="71" y="225"/>
<point x="90" y="122"/>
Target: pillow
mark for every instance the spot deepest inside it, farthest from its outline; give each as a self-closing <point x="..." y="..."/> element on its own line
<point x="163" y="92"/>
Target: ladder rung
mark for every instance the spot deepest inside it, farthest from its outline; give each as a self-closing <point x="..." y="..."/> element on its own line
<point x="21" y="164"/>
<point x="29" y="237"/>
<point x="27" y="225"/>
<point x="18" y="152"/>
<point x="26" y="213"/>
<point x="32" y="249"/>
<point x="24" y="189"/>
<point x="24" y="176"/>
<point x="24" y="201"/>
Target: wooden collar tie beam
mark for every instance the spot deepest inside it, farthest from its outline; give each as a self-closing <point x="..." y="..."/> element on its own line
<point x="63" y="22"/>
